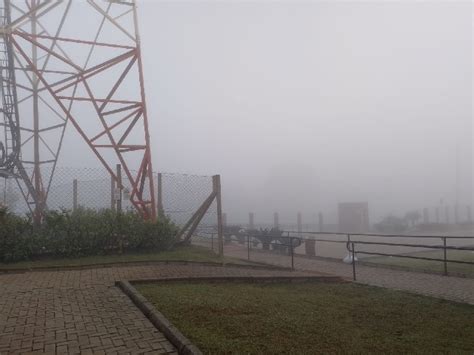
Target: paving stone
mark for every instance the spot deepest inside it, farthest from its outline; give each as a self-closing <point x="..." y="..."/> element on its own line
<point x="81" y="311"/>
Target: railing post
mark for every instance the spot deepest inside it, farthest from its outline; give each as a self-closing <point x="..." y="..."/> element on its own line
<point x="212" y="241"/>
<point x="445" y="257"/>
<point x="353" y="262"/>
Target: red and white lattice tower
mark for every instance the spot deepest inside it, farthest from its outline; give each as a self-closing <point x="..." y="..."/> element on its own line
<point x="74" y="63"/>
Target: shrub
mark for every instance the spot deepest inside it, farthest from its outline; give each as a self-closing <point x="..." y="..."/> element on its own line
<point x="16" y="237"/>
<point x="82" y="232"/>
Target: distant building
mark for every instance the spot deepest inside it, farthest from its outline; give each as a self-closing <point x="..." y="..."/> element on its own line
<point x="353" y="217"/>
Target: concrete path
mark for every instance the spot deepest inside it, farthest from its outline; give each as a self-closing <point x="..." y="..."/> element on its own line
<point x="446" y="287"/>
<point x="81" y="311"/>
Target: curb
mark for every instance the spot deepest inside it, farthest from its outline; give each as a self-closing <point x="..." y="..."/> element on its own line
<point x="260" y="266"/>
<point x="176" y="338"/>
<point x="247" y="279"/>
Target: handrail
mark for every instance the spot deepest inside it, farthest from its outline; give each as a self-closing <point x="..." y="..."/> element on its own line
<point x="351" y="245"/>
<point x="382" y="235"/>
<point x="414" y="245"/>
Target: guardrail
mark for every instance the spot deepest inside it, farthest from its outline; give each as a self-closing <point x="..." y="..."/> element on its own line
<point x="290" y="240"/>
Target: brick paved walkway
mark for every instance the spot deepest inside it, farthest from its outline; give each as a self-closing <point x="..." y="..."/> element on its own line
<point x="81" y="311"/>
<point x="450" y="288"/>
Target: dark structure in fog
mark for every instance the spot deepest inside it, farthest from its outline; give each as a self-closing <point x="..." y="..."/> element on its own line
<point x="353" y="217"/>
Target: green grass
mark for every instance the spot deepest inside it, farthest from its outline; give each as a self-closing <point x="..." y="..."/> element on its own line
<point x="188" y="253"/>
<point x="426" y="265"/>
<point x="312" y="318"/>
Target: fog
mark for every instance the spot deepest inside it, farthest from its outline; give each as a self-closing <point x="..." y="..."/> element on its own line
<point x="302" y="105"/>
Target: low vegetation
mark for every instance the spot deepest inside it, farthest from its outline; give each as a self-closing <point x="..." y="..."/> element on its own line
<point x="312" y="318"/>
<point x="83" y="232"/>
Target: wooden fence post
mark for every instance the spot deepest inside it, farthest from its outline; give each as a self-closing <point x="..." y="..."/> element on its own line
<point x="217" y="189"/>
<point x="74" y="195"/>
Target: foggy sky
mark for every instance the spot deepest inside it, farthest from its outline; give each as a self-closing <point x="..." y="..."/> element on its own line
<point x="301" y="105"/>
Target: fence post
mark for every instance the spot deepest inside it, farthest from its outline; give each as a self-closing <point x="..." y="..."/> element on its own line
<point x="248" y="247"/>
<point x="212" y="241"/>
<point x="251" y="221"/>
<point x="292" y="254"/>
<point x="353" y="261"/>
<point x="112" y="192"/>
<point x="159" y="196"/>
<point x="74" y="195"/>
<point x="119" y="202"/>
<point x="299" y="223"/>
<point x="445" y="257"/>
<point x="308" y="244"/>
<point x="119" y="188"/>
<point x="217" y="188"/>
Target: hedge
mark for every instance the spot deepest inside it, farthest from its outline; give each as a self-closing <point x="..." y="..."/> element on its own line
<point x="80" y="233"/>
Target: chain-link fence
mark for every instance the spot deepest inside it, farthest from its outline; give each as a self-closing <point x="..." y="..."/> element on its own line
<point x="182" y="196"/>
<point x="179" y="195"/>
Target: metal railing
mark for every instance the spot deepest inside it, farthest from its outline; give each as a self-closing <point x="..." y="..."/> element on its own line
<point x="352" y="249"/>
<point x="290" y="240"/>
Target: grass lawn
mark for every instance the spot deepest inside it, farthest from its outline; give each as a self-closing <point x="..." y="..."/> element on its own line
<point x="426" y="265"/>
<point x="188" y="253"/>
<point x="312" y="318"/>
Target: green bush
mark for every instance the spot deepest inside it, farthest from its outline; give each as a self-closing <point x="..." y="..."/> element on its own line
<point x="16" y="237"/>
<point x="82" y="232"/>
